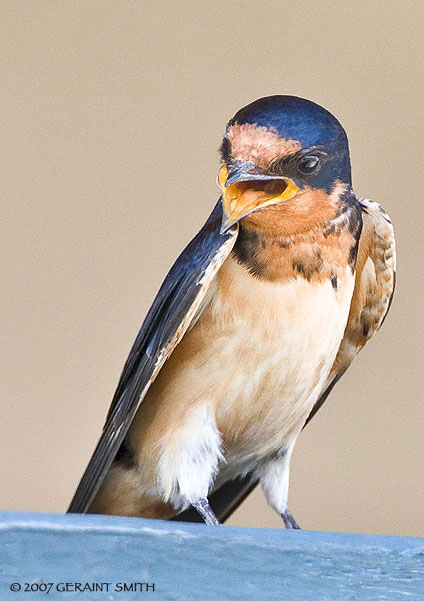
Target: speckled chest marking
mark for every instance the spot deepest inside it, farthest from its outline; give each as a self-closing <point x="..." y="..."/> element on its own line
<point x="319" y="254"/>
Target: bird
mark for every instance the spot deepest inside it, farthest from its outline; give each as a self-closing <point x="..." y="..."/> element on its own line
<point x="255" y="323"/>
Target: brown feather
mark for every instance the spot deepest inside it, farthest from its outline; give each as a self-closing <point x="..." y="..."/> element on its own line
<point x="374" y="283"/>
<point x="259" y="145"/>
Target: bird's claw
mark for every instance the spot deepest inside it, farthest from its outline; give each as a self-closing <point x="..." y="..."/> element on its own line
<point x="289" y="521"/>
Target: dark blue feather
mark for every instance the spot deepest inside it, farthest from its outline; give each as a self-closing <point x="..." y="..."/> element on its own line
<point x="174" y="299"/>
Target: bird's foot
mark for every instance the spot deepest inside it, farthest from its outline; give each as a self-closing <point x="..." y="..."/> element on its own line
<point x="289" y="521"/>
<point x="203" y="507"/>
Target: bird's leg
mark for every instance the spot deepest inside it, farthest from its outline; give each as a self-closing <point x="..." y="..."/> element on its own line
<point x="203" y="507"/>
<point x="274" y="478"/>
<point x="289" y="521"/>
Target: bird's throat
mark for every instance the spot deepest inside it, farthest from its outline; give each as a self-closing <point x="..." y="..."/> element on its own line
<point x="316" y="253"/>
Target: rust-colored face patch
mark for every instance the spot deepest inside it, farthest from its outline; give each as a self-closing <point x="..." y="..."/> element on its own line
<point x="258" y="144"/>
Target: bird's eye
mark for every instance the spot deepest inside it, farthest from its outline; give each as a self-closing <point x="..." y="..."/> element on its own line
<point x="308" y="164"/>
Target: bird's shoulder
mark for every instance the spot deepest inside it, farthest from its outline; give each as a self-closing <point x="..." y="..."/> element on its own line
<point x="374" y="281"/>
<point x="375" y="276"/>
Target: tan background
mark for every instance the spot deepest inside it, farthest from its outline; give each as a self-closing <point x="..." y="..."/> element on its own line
<point x="111" y="116"/>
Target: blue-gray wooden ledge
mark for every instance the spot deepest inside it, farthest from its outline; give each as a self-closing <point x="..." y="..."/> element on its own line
<point x="193" y="562"/>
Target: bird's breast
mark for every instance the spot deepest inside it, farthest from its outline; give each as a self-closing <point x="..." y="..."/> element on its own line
<point x="273" y="346"/>
<point x="255" y="361"/>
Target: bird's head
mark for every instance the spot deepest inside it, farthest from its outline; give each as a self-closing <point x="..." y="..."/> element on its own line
<point x="281" y="150"/>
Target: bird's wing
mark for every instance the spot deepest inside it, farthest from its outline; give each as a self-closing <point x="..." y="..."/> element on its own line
<point x="178" y="301"/>
<point x="372" y="295"/>
<point x="373" y="292"/>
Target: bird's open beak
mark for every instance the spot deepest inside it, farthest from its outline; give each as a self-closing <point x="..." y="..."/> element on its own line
<point x="245" y="190"/>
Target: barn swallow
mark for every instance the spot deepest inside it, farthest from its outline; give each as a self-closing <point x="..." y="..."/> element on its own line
<point x="254" y="324"/>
